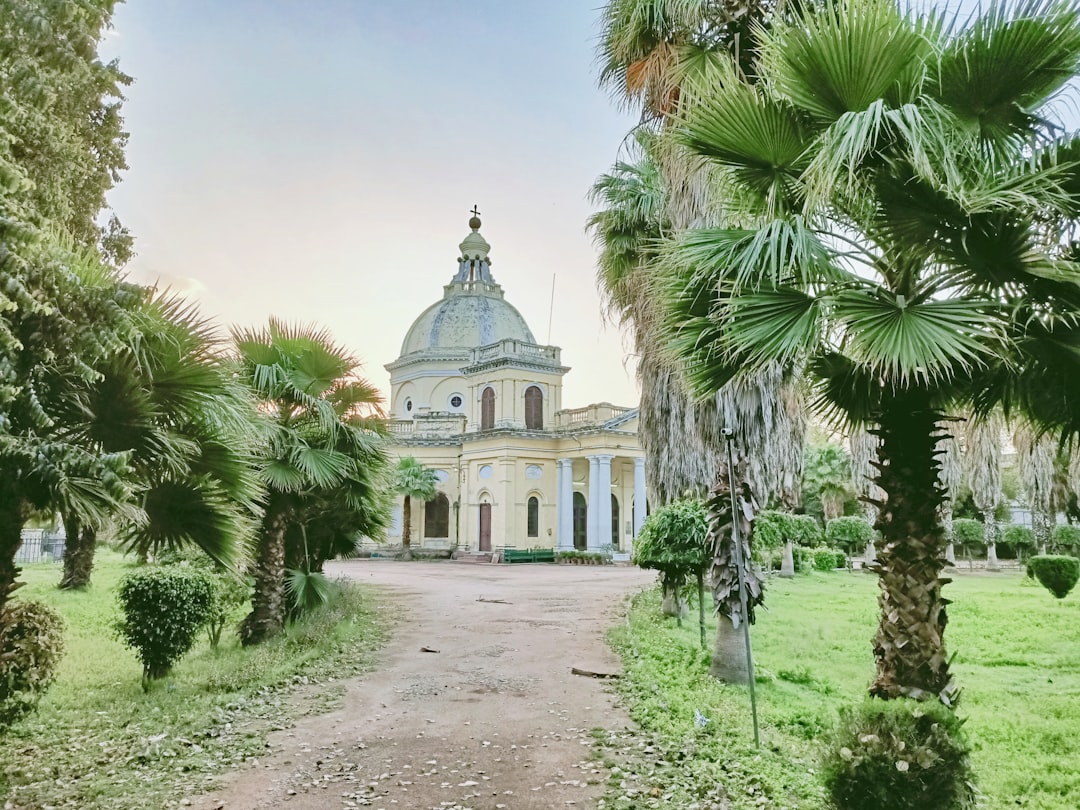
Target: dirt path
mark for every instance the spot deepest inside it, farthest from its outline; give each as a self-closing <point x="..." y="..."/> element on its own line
<point x="494" y="719"/>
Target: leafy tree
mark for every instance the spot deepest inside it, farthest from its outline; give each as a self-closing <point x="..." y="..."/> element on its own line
<point x="321" y="439"/>
<point x="61" y="309"/>
<point x="849" y="533"/>
<point x="890" y="230"/>
<point x="412" y="480"/>
<point x="673" y="541"/>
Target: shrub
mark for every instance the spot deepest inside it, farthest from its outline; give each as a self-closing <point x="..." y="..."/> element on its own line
<point x="1057" y="573"/>
<point x="163" y="607"/>
<point x="1015" y="539"/>
<point x="826" y="559"/>
<point x="802" y="557"/>
<point x="230" y="591"/>
<point x="969" y="533"/>
<point x="849" y="533"/>
<point x="1066" y="537"/>
<point x="899" y="755"/>
<point x="31" y="646"/>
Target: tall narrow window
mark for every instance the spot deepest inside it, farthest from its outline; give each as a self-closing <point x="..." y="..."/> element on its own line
<point x="534" y="517"/>
<point x="437" y="517"/>
<point x="534" y="408"/>
<point x="487" y="409"/>
<point x="615" y="521"/>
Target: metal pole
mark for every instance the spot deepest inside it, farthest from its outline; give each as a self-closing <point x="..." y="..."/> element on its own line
<point x="736" y="514"/>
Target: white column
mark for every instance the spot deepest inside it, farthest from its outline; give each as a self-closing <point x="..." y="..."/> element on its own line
<point x="603" y="518"/>
<point x="640" y="503"/>
<point x="565" y="503"/>
<point x="593" y="533"/>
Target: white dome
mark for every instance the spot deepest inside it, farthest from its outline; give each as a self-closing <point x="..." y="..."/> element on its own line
<point x="466" y="319"/>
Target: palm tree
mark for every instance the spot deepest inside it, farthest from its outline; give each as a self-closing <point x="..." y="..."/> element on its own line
<point x="321" y="438"/>
<point x="412" y="480"/>
<point x="166" y="399"/>
<point x="890" y="228"/>
<point x="655" y="53"/>
<point x="826" y="474"/>
<point x="983" y="457"/>
<point x="1038" y="456"/>
<point x="950" y="479"/>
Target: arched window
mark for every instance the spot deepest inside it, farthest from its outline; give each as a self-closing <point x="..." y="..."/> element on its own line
<point x="534" y="517"/>
<point x="534" y="408"/>
<point x="487" y="409"/>
<point x="615" y="521"/>
<point x="437" y="516"/>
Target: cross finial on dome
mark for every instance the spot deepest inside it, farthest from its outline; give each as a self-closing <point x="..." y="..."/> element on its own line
<point x="474" y="222"/>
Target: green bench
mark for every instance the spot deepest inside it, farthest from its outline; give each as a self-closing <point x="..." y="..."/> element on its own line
<point x="530" y="555"/>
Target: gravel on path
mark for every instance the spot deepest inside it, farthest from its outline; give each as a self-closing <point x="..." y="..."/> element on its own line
<point x="494" y="719"/>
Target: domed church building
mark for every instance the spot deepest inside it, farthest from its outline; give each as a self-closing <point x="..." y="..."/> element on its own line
<point x="477" y="399"/>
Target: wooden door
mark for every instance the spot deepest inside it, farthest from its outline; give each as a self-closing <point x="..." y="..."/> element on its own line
<point x="581" y="521"/>
<point x="485" y="527"/>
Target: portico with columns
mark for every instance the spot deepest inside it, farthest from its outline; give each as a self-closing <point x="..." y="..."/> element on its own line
<point x="475" y="398"/>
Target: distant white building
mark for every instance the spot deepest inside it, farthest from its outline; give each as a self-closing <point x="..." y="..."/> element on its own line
<point x="475" y="398"/>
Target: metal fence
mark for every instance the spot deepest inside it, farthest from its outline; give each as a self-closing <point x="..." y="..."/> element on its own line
<point x="40" y="546"/>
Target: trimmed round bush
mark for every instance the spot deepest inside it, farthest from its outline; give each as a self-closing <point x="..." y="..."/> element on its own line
<point x="827" y="559"/>
<point x="771" y="529"/>
<point x="31" y="646"/>
<point x="899" y="755"/>
<point x="163" y="609"/>
<point x="1066" y="538"/>
<point x="1056" y="572"/>
<point x="849" y="533"/>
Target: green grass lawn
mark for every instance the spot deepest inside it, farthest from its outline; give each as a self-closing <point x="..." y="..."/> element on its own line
<point x="98" y="741"/>
<point x="1017" y="658"/>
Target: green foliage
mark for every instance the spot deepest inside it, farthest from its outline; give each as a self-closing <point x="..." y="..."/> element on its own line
<point x="802" y="558"/>
<point x="849" y="533"/>
<point x="673" y="540"/>
<point x="968" y="532"/>
<point x="828" y="559"/>
<point x="1066" y="537"/>
<point x="770" y="529"/>
<point x="230" y="590"/>
<point x="31" y="646"/>
<point x="414" y="480"/>
<point x="827" y="478"/>
<point x="163" y="608"/>
<point x="899" y="755"/>
<point x="805" y="530"/>
<point x="1015" y="539"/>
<point x="307" y="590"/>
<point x="1057" y="573"/>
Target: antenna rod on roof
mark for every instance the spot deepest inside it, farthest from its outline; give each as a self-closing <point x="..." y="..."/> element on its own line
<point x="551" y="309"/>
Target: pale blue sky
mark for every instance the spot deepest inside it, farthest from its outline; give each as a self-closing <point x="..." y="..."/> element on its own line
<point x="317" y="161"/>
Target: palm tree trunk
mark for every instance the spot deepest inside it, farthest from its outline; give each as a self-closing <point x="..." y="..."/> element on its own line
<point x="729" y="653"/>
<point x="787" y="565"/>
<point x="267" y="617"/>
<point x="909" y="647"/>
<point x="14" y="512"/>
<point x="701" y="607"/>
<point x="990" y="529"/>
<point x="79" y="550"/>
<point x="406" y="529"/>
